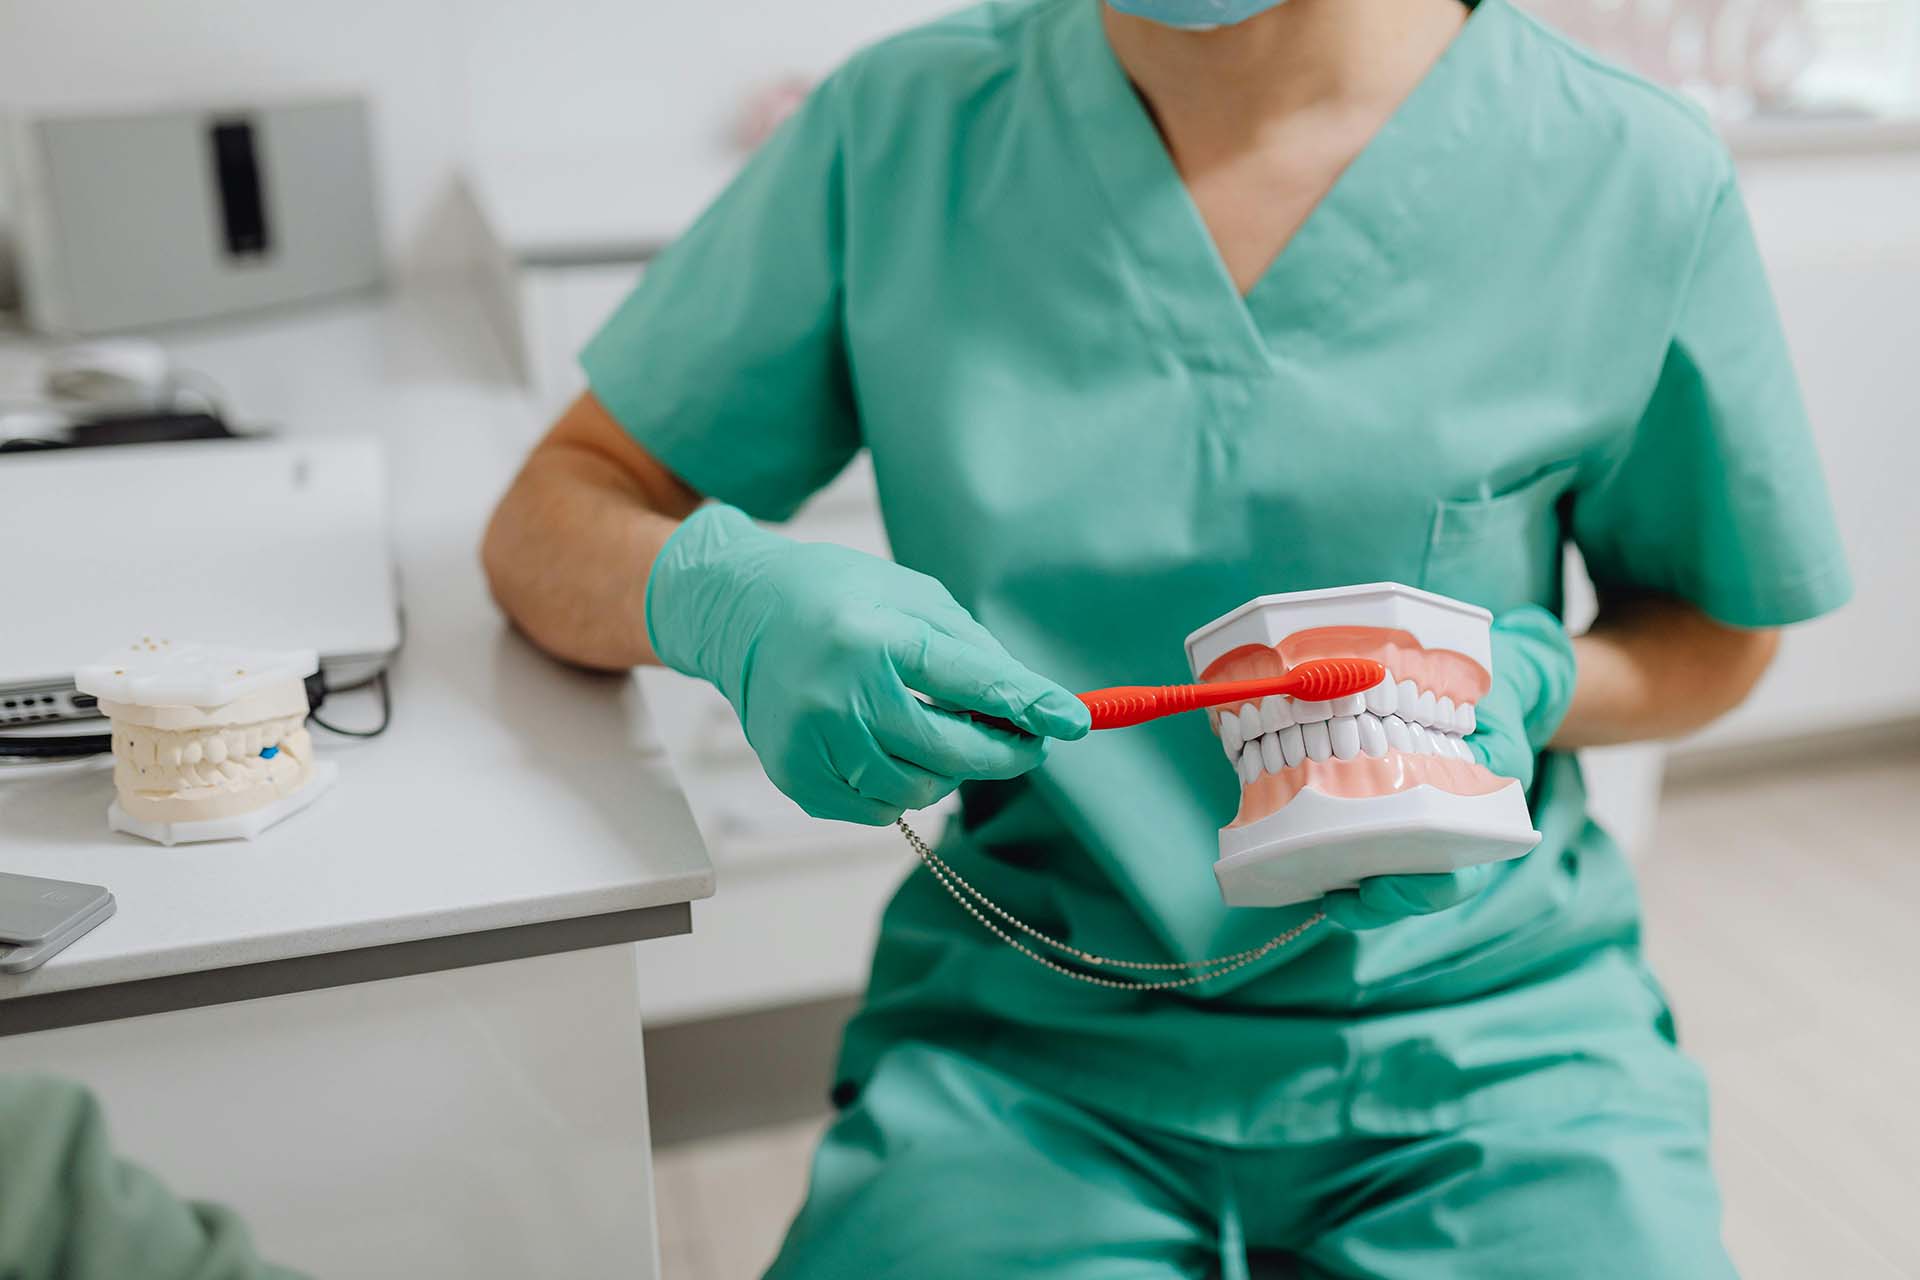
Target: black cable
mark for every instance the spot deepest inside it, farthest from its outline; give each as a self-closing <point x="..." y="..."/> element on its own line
<point x="377" y="679"/>
<point x="70" y="747"/>
<point x="78" y="745"/>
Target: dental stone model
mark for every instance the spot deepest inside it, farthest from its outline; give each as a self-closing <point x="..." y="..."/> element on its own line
<point x="209" y="742"/>
<point x="1373" y="784"/>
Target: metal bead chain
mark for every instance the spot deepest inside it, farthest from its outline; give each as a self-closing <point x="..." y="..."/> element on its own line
<point x="967" y="896"/>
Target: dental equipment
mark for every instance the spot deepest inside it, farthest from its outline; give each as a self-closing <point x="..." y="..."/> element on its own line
<point x="209" y="742"/>
<point x="1378" y="783"/>
<point x="1367" y="774"/>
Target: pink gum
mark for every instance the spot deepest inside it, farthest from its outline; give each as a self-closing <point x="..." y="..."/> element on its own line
<point x="1446" y="673"/>
<point x="1367" y="776"/>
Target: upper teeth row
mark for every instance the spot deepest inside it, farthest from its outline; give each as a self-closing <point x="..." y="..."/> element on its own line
<point x="147" y="748"/>
<point x="1403" y="698"/>
<point x="1343" y="738"/>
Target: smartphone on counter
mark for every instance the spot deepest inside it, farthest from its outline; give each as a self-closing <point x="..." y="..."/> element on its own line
<point x="40" y="917"/>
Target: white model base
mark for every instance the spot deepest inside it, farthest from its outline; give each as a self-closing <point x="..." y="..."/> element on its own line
<point x="1317" y="843"/>
<point x="241" y="826"/>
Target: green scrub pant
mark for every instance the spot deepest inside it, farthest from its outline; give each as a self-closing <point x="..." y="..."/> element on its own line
<point x="943" y="1168"/>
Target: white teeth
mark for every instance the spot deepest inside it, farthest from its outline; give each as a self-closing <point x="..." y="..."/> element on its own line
<point x="1380" y="699"/>
<point x="216" y="748"/>
<point x="168" y="752"/>
<point x="191" y="753"/>
<point x="1293" y="745"/>
<point x="1250" y="763"/>
<point x="1230" y="735"/>
<point x="1276" y="713"/>
<point x="1406" y="696"/>
<point x="1266" y="737"/>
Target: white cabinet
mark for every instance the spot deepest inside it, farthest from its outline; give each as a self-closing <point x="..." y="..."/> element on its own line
<point x="487" y="1121"/>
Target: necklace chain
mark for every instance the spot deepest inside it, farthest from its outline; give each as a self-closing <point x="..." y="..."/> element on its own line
<point x="1198" y="970"/>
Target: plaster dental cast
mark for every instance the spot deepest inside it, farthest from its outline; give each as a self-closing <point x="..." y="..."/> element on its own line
<point x="210" y="742"/>
<point x="1145" y="313"/>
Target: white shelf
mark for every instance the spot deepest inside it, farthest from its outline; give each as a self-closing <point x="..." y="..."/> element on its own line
<point x="561" y="210"/>
<point x="1822" y="134"/>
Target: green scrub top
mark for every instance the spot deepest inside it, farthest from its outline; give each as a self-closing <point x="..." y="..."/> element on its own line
<point x="1531" y="311"/>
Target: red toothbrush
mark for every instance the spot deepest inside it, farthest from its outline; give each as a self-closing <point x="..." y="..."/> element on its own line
<point x="1318" y="681"/>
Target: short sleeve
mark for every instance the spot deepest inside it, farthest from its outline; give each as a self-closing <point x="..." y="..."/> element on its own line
<point x="1717" y="497"/>
<point x="727" y="361"/>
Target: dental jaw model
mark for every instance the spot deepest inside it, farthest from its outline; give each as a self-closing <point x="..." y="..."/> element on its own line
<point x="1380" y="783"/>
<point x="209" y="742"/>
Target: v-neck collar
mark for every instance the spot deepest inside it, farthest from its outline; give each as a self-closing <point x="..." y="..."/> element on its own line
<point x="1351" y="242"/>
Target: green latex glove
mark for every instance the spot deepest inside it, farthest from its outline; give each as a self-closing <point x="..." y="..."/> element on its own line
<point x="1533" y="674"/>
<point x="820" y="650"/>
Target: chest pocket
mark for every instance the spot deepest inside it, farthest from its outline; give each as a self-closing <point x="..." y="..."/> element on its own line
<point x="1503" y="551"/>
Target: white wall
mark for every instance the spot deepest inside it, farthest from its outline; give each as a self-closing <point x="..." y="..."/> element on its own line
<point x="640" y="80"/>
<point x="448" y="78"/>
<point x="87" y="54"/>
<point x="640" y="76"/>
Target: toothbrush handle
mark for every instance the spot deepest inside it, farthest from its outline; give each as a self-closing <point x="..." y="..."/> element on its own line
<point x="1114" y="708"/>
<point x="1123" y="705"/>
<point x="1131" y="704"/>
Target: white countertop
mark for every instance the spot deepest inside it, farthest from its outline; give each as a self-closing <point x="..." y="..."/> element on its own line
<point x="509" y="791"/>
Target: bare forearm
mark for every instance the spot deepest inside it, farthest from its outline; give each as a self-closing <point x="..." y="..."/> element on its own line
<point x="569" y="548"/>
<point x="1657" y="668"/>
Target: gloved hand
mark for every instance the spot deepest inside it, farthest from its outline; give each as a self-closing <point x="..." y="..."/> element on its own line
<point x="1533" y="674"/>
<point x="819" y="649"/>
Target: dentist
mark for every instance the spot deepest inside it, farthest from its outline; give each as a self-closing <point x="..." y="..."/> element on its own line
<point x="1143" y="309"/>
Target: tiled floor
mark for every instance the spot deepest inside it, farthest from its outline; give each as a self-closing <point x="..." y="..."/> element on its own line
<point x="1781" y="912"/>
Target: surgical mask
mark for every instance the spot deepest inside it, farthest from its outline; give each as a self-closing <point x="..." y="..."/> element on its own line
<point x="1194" y="15"/>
